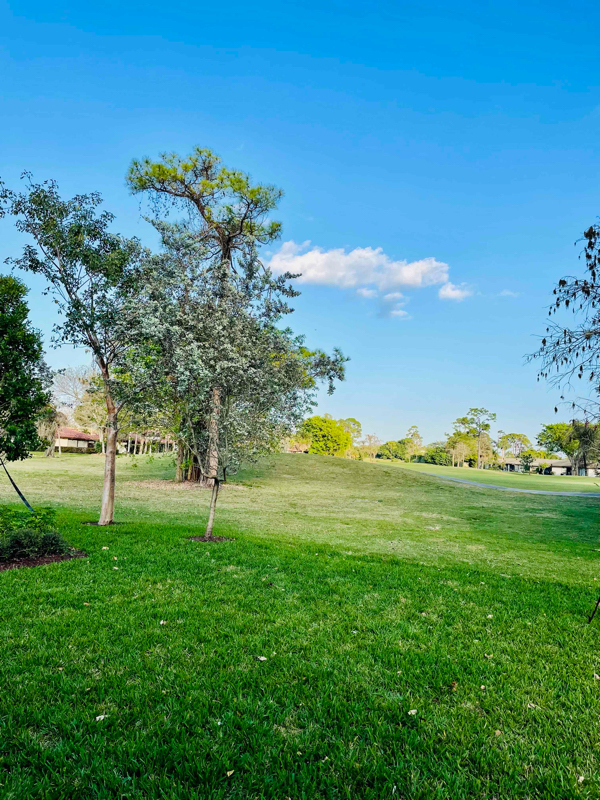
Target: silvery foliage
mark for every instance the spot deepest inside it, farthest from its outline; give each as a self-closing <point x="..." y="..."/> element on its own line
<point x="204" y="324"/>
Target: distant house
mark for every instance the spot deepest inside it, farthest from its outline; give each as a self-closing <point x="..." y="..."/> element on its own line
<point x="73" y="439"/>
<point x="553" y="466"/>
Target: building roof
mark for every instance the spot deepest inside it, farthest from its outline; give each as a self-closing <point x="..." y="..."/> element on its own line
<point x="549" y="462"/>
<point x="73" y="433"/>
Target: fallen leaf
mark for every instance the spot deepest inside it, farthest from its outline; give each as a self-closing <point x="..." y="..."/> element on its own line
<point x="454" y="684"/>
<point x="163" y="622"/>
<point x="105" y="548"/>
<point x="86" y="604"/>
<point x="580" y="779"/>
<point x="262" y="658"/>
<point x="482" y="686"/>
<point x="596" y="676"/>
<point x="488" y="655"/>
<point x="115" y="558"/>
<point x="100" y="717"/>
<point x="498" y="733"/>
<point x="230" y="772"/>
<point x="531" y="705"/>
<point x="412" y="712"/>
<point x="490" y="616"/>
<point x="115" y="568"/>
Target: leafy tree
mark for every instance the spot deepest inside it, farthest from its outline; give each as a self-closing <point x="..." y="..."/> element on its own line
<point x="416" y="442"/>
<point x="394" y="450"/>
<point x="232" y="382"/>
<point x="48" y="425"/>
<point x="437" y="454"/>
<point x="526" y="458"/>
<point x="477" y="423"/>
<point x="24" y="377"/>
<point x="515" y="442"/>
<point x="560" y="436"/>
<point x="327" y="437"/>
<point x="353" y="427"/>
<point x="90" y="274"/>
<point x="231" y="218"/>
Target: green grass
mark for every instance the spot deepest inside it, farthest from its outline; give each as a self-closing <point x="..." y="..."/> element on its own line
<point x="371" y="592"/>
<point x="512" y="480"/>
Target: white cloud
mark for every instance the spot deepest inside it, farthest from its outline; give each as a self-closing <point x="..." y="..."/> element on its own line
<point x="508" y="293"/>
<point x="362" y="266"/>
<point x="449" y="291"/>
<point x="370" y="293"/>
<point x="399" y="312"/>
<point x="393" y="296"/>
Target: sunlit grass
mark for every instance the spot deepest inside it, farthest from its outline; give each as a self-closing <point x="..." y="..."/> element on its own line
<point x="371" y="592"/>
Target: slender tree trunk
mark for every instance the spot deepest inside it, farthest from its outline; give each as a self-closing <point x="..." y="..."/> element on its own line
<point x="213" y="505"/>
<point x="128" y="444"/>
<point x="179" y="473"/>
<point x="108" y="494"/>
<point x="479" y="452"/>
<point x="103" y="442"/>
<point x="59" y="448"/>
<point x="212" y="466"/>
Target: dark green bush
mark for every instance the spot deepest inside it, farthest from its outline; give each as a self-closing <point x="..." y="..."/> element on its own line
<point x="27" y="535"/>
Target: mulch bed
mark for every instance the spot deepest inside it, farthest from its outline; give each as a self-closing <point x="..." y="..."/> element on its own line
<point x="39" y="561"/>
<point x="209" y="539"/>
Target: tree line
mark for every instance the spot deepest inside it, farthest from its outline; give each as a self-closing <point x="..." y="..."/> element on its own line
<point x="469" y="444"/>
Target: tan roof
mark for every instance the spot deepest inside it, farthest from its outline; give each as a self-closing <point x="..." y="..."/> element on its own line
<point x="73" y="433"/>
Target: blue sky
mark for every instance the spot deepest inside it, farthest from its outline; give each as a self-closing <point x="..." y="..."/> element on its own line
<point x="453" y="144"/>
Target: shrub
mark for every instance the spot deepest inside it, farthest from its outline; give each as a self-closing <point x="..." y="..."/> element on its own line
<point x="437" y="455"/>
<point x="27" y="535"/>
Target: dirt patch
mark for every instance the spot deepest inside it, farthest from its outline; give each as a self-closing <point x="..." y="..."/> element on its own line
<point x="39" y="561"/>
<point x="209" y="539"/>
<point x="184" y="487"/>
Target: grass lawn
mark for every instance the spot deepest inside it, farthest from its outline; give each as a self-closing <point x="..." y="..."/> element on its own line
<point x="368" y="633"/>
<point x="512" y="480"/>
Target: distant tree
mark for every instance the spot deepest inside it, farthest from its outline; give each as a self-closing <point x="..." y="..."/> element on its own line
<point x="436" y="453"/>
<point x="477" y="423"/>
<point x="515" y="442"/>
<point x="394" y="450"/>
<point x="48" y="426"/>
<point x="69" y="386"/>
<point x="353" y="427"/>
<point x="327" y="437"/>
<point x="415" y="447"/>
<point x="526" y="458"/>
<point x="560" y="436"/>
<point x="24" y="377"/>
<point x="91" y="274"/>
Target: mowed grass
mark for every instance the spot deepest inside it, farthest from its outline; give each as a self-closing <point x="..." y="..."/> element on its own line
<point x="422" y="639"/>
<point x="511" y="480"/>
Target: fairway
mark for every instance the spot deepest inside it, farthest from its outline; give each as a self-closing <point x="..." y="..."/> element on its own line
<point x="368" y="632"/>
<point x="511" y="480"/>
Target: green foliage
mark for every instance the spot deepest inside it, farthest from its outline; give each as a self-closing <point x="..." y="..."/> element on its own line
<point x="437" y="455"/>
<point x="558" y="436"/>
<point x="395" y="450"/>
<point x="23" y="375"/>
<point x="327" y="437"/>
<point x="526" y="458"/>
<point x="27" y="535"/>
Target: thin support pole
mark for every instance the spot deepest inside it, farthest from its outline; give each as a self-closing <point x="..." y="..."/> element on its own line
<point x="16" y="488"/>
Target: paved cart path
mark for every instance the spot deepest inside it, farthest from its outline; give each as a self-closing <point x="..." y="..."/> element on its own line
<point x="510" y="489"/>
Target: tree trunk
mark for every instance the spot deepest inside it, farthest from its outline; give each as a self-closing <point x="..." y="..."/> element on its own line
<point x="128" y="444"/>
<point x="479" y="452"/>
<point x="212" y="466"/>
<point x="213" y="506"/>
<point x="102" y="440"/>
<point x="108" y="493"/>
<point x="179" y="472"/>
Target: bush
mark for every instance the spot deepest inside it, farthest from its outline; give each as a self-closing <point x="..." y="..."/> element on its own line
<point x="437" y="455"/>
<point x="27" y="535"/>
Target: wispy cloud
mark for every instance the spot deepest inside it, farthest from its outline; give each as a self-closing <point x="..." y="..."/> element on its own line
<point x="449" y="291"/>
<point x="508" y="293"/>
